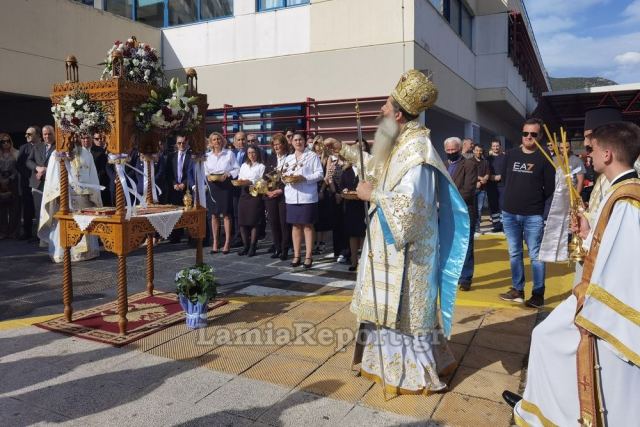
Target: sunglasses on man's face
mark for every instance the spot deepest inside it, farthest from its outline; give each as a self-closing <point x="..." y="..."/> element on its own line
<point x="28" y="134"/>
<point x="532" y="134"/>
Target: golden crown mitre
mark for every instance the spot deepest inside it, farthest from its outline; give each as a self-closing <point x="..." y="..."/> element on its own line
<point x="415" y="92"/>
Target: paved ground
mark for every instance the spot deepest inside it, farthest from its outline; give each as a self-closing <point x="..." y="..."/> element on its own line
<point x="181" y="377"/>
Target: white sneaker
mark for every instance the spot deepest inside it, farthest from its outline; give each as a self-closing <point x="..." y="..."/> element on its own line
<point x="341" y="259"/>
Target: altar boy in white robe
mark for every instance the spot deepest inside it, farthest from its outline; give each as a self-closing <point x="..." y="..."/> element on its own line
<point x="584" y="364"/>
<point x="84" y="192"/>
<point x="419" y="233"/>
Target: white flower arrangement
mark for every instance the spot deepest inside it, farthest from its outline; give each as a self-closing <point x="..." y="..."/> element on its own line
<point x="169" y="110"/>
<point x="76" y="113"/>
<point x="141" y="62"/>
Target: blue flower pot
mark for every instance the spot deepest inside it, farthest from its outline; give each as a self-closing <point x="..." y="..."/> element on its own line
<point x="196" y="313"/>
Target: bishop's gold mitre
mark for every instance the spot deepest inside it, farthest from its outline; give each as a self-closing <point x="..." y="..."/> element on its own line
<point x="415" y="92"/>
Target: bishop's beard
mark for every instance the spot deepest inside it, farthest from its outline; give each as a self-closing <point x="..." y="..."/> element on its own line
<point x="386" y="134"/>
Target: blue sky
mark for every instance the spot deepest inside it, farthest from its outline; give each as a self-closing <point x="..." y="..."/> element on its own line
<point x="588" y="38"/>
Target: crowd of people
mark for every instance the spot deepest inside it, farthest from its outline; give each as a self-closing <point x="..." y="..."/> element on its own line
<point x="310" y="213"/>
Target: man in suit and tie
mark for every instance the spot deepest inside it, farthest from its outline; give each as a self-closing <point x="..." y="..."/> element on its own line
<point x="464" y="173"/>
<point x="37" y="163"/>
<point x="178" y="177"/>
<point x="32" y="136"/>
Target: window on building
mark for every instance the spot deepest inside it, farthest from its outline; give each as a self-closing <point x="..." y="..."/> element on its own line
<point x="276" y="4"/>
<point x="460" y="19"/>
<point x="87" y="2"/>
<point x="438" y="5"/>
<point x="164" y="13"/>
<point x="120" y="7"/>
<point x="182" y="12"/>
<point x="466" y="22"/>
<point x="210" y="9"/>
<point x="151" y="12"/>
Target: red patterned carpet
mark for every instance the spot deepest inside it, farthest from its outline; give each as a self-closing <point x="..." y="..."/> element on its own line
<point x="147" y="315"/>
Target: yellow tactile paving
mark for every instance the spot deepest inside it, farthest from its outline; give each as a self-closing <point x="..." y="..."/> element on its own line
<point x="342" y="358"/>
<point x="281" y="370"/>
<point x="493" y="360"/>
<point x="417" y="406"/>
<point x="515" y="343"/>
<point x="518" y="322"/>
<point x="466" y="411"/>
<point x="230" y="359"/>
<point x="336" y="383"/>
<point x="184" y="347"/>
<point x="25" y="322"/>
<point x="482" y="383"/>
<point x="492" y="276"/>
<point x="159" y="338"/>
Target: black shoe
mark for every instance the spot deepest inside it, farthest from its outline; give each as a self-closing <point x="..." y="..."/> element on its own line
<point x="284" y="255"/>
<point x="464" y="286"/>
<point x="252" y="250"/>
<point x="308" y="266"/>
<point x="536" y="301"/>
<point x="275" y="254"/>
<point x="295" y="262"/>
<point x="497" y="228"/>
<point x="353" y="268"/>
<point x="511" y="398"/>
<point x="244" y="251"/>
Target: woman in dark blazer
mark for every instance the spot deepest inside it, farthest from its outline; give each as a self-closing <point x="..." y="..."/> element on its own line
<point x="274" y="199"/>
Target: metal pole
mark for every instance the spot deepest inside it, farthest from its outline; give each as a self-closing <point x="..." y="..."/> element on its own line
<point x="370" y="253"/>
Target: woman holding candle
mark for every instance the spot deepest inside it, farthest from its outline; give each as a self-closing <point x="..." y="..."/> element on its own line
<point x="220" y="167"/>
<point x="301" y="196"/>
<point x="250" y="208"/>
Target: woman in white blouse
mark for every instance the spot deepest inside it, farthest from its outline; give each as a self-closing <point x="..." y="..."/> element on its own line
<point x="302" y="197"/>
<point x="250" y="209"/>
<point x="221" y="166"/>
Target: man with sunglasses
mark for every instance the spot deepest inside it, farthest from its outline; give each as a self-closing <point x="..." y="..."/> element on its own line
<point x="529" y="182"/>
<point x="32" y="135"/>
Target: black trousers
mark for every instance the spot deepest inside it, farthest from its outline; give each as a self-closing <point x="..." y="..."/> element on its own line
<point x="28" y="212"/>
<point x="280" y="230"/>
<point x="340" y="240"/>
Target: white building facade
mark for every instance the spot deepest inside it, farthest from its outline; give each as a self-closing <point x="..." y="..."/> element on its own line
<point x="270" y="64"/>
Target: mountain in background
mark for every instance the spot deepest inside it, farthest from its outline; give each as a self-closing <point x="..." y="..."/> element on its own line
<point x="565" y="83"/>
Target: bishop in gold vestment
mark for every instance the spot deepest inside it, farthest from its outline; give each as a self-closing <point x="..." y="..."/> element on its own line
<point x="419" y="233"/>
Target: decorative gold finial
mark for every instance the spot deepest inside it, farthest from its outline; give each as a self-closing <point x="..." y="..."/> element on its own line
<point x="71" y="66"/>
<point x="187" y="200"/>
<point x="192" y="81"/>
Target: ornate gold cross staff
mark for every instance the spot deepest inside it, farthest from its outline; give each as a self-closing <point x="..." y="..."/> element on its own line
<point x="370" y="253"/>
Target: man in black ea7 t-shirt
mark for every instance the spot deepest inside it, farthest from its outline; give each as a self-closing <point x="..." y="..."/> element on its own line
<point x="529" y="182"/>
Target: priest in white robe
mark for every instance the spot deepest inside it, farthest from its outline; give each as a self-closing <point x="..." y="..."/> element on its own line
<point x="604" y="307"/>
<point x="84" y="192"/>
<point x="419" y="232"/>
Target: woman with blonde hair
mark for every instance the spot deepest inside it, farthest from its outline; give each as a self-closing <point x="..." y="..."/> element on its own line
<point x="220" y="167"/>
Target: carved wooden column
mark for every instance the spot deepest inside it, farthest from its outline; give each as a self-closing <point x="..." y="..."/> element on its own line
<point x="122" y="294"/>
<point x="67" y="277"/>
<point x="148" y="159"/>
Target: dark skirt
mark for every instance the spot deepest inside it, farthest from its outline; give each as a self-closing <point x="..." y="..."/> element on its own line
<point x="250" y="209"/>
<point x="354" y="221"/>
<point x="326" y="212"/>
<point x="220" y="200"/>
<point x="306" y="213"/>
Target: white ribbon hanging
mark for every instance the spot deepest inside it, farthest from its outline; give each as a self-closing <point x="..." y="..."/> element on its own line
<point x="122" y="177"/>
<point x="202" y="184"/>
<point x="155" y="190"/>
